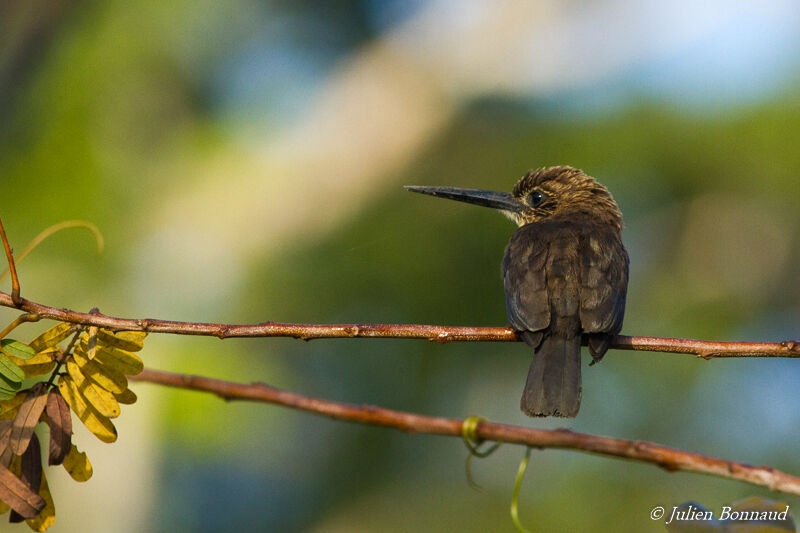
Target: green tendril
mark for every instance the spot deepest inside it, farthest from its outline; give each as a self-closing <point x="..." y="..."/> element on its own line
<point x="523" y="465"/>
<point x="469" y="432"/>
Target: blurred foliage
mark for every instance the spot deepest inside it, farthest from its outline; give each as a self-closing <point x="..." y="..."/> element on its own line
<point x="98" y="123"/>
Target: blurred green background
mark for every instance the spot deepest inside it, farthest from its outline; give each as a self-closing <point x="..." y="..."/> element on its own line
<point x="245" y="162"/>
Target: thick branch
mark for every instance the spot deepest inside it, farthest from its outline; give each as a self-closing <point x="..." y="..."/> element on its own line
<point x="648" y="452"/>
<point x="706" y="349"/>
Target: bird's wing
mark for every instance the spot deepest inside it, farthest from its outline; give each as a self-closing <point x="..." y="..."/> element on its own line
<point x="525" y="283"/>
<point x="604" y="280"/>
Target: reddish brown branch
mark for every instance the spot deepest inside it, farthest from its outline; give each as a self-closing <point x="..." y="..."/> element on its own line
<point x="706" y="349"/>
<point x="12" y="267"/>
<point x="648" y="452"/>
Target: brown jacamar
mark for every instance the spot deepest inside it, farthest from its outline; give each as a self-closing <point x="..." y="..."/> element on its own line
<point x="565" y="273"/>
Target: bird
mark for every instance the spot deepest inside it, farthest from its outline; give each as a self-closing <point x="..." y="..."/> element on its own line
<point x="565" y="274"/>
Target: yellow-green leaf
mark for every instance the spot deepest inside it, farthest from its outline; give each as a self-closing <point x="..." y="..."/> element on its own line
<point x="131" y="341"/>
<point x="51" y="337"/>
<point x="77" y="465"/>
<point x="9" y="370"/>
<point x="48" y="355"/>
<point x="92" y="393"/>
<point x="106" y="376"/>
<point x="91" y="342"/>
<point x="16" y="349"/>
<point x="121" y="360"/>
<point x="98" y="424"/>
<point x="32" y="371"/>
<point x="9" y="407"/>
<point x="127" y="397"/>
<point x="40" y="364"/>
<point x="7" y="391"/>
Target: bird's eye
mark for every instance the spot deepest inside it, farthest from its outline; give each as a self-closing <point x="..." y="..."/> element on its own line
<point x="536" y="198"/>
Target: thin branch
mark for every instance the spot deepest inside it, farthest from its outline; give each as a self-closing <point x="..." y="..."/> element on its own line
<point x="62" y="356"/>
<point x="21" y="319"/>
<point x="16" y="300"/>
<point x="667" y="458"/>
<point x="442" y="334"/>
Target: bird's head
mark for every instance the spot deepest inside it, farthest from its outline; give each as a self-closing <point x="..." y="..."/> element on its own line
<point x="552" y="192"/>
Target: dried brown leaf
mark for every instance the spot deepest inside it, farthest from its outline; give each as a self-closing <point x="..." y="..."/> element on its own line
<point x="6" y="457"/>
<point x="27" y="417"/>
<point x="5" y="433"/>
<point x="5" y="451"/>
<point x="60" y="421"/>
<point x="18" y="496"/>
<point x="30" y="473"/>
<point x="47" y="516"/>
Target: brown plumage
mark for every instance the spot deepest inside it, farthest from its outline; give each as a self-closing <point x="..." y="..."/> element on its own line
<point x="565" y="272"/>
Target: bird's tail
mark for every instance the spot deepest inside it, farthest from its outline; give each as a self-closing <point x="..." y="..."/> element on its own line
<point x="553" y="387"/>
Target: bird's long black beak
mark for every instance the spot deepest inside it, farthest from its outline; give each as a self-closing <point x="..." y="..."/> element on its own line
<point x="496" y="200"/>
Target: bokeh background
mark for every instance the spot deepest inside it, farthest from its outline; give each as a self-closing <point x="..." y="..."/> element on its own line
<point x="245" y="162"/>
